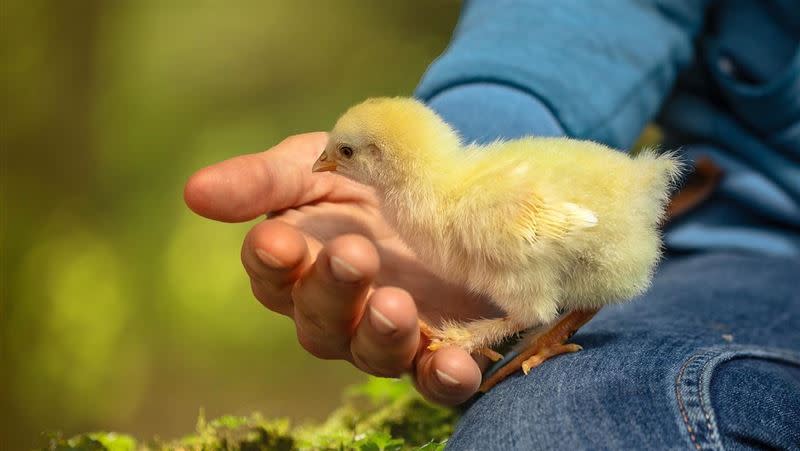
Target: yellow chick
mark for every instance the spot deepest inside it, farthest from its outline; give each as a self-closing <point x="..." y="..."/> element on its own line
<point x="540" y="226"/>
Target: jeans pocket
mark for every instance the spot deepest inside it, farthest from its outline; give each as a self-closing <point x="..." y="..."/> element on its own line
<point x="693" y="388"/>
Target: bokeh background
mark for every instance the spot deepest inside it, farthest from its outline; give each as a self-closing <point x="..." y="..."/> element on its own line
<point x="121" y="310"/>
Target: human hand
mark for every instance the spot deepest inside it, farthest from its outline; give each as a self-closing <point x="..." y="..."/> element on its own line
<point x="327" y="259"/>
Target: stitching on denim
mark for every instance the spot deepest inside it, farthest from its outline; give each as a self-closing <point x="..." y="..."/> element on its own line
<point x="700" y="380"/>
<point x="711" y="426"/>
<point x="681" y="405"/>
<point x="707" y="410"/>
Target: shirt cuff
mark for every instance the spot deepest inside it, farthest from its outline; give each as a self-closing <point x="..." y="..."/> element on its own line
<point x="483" y="112"/>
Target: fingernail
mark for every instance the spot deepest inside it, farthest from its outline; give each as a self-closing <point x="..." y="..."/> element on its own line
<point x="446" y="379"/>
<point x="380" y="322"/>
<point x="344" y="271"/>
<point x="269" y="259"/>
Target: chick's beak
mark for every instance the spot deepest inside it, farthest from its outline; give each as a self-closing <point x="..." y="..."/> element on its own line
<point x="324" y="163"/>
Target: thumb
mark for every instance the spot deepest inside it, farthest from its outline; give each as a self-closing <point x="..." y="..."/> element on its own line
<point x="448" y="376"/>
<point x="244" y="187"/>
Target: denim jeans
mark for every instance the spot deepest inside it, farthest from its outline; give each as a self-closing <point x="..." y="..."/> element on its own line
<point x="709" y="358"/>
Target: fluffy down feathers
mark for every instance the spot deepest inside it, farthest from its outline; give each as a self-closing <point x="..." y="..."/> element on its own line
<point x="537" y="224"/>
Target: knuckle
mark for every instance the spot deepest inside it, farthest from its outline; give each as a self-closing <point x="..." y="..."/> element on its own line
<point x="380" y="367"/>
<point x="312" y="321"/>
<point x="394" y="368"/>
<point x="258" y="292"/>
<point x="314" y="347"/>
<point x="362" y="363"/>
<point x="307" y="343"/>
<point x="392" y="372"/>
<point x="261" y="294"/>
<point x="270" y="300"/>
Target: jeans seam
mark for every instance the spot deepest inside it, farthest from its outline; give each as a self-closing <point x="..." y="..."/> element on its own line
<point x="693" y="383"/>
<point x="682" y="405"/>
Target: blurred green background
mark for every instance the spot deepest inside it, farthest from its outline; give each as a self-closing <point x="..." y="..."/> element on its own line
<point x="121" y="310"/>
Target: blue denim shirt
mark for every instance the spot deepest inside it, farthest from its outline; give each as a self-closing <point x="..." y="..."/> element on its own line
<point x="721" y="77"/>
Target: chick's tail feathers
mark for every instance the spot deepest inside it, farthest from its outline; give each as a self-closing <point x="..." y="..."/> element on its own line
<point x="663" y="169"/>
<point x="659" y="176"/>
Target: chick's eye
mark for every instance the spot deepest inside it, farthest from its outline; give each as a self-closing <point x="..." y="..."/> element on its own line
<point x="346" y="151"/>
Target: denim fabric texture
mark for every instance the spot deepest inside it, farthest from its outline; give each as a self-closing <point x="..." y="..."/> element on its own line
<point x="707" y="359"/>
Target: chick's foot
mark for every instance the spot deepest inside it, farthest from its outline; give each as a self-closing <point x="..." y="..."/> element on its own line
<point x="450" y="336"/>
<point x="437" y="342"/>
<point x="473" y="336"/>
<point x="543" y="346"/>
<point x="493" y="355"/>
<point x="547" y="353"/>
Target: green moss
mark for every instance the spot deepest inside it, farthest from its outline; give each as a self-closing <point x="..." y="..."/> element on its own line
<point x="379" y="415"/>
<point x="100" y="441"/>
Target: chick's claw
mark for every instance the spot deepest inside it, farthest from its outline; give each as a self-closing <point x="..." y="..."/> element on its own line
<point x="547" y="353"/>
<point x="493" y="355"/>
<point x="432" y="335"/>
<point x="426" y="329"/>
<point x="443" y="339"/>
<point x="544" y="345"/>
<point x="436" y="345"/>
<point x="449" y="335"/>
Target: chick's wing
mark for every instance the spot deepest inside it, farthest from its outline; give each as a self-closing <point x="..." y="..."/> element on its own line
<point x="540" y="219"/>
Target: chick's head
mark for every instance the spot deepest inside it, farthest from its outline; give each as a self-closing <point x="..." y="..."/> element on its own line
<point x="388" y="142"/>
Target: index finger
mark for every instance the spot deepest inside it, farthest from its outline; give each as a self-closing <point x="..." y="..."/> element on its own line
<point x="244" y="187"/>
